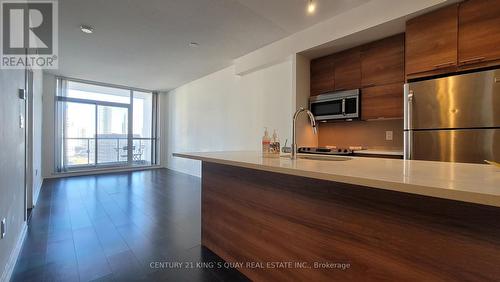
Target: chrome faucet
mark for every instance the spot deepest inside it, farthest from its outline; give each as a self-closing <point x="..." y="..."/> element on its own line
<point x="293" y="154"/>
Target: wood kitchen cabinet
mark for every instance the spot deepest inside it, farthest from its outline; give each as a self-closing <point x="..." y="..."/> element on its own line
<point x="382" y="62"/>
<point x="384" y="101"/>
<point x="248" y="214"/>
<point x="347" y="70"/>
<point x="478" y="33"/>
<point x="340" y="71"/>
<point x="382" y="76"/>
<point x="431" y="43"/>
<point x="322" y="75"/>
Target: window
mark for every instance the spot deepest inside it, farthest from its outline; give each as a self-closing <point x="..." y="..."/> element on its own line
<point x="104" y="126"/>
<point x="96" y="92"/>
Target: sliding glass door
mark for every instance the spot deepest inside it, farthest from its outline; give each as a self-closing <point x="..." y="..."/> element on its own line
<point x="112" y="135"/>
<point x="79" y="134"/>
<point x="102" y="126"/>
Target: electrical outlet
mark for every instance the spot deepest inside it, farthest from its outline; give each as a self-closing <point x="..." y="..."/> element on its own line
<point x="388" y="135"/>
<point x="3" y="229"/>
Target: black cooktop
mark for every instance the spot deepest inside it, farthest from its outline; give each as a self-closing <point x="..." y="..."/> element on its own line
<point x="325" y="151"/>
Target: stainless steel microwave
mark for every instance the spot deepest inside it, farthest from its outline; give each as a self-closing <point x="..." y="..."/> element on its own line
<point x="341" y="105"/>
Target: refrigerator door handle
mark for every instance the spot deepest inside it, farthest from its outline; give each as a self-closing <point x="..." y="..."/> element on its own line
<point x="409" y="113"/>
<point x="408" y="134"/>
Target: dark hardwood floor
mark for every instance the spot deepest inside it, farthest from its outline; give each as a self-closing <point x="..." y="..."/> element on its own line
<point x="114" y="227"/>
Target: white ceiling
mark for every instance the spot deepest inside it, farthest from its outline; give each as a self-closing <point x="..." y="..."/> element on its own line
<point x="144" y="43"/>
<point x="370" y="34"/>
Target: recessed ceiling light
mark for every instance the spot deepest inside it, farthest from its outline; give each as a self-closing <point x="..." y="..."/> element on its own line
<point x="194" y="44"/>
<point x="311" y="7"/>
<point x="86" y="29"/>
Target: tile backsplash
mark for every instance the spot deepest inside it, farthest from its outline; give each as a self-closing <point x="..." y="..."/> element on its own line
<point x="369" y="134"/>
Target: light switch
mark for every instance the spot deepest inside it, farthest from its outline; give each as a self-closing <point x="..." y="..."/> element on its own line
<point x="3" y="229"/>
<point x="388" y="135"/>
<point x="22" y="94"/>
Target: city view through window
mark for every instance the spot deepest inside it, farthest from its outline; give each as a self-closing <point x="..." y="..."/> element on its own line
<point x="95" y="121"/>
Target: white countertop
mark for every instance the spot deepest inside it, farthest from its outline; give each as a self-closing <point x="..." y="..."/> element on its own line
<point x="474" y="183"/>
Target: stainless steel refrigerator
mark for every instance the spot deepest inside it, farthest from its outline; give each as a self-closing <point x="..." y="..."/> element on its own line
<point x="453" y="119"/>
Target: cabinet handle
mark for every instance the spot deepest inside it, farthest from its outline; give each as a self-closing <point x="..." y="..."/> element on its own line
<point x="369" y="85"/>
<point x="472" y="60"/>
<point x="443" y="65"/>
<point x="497" y="79"/>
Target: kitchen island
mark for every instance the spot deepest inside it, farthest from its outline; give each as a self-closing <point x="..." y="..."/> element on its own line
<point x="355" y="219"/>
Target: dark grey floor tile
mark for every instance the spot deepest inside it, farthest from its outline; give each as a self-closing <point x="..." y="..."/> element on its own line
<point x="61" y="271"/>
<point x="62" y="251"/>
<point x="28" y="275"/>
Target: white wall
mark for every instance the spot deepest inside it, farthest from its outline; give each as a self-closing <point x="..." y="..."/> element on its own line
<point x="224" y="112"/>
<point x="48" y="123"/>
<point x="37" y="133"/>
<point x="11" y="164"/>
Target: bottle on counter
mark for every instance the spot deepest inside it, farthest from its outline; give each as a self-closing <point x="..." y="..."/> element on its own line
<point x="266" y="143"/>
<point x="275" y="144"/>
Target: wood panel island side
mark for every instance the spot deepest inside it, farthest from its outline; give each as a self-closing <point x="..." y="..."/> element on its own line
<point x="332" y="220"/>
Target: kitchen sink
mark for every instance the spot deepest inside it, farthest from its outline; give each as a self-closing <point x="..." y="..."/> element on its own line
<point x="320" y="158"/>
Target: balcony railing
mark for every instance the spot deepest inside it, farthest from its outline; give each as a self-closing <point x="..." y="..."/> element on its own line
<point x="110" y="151"/>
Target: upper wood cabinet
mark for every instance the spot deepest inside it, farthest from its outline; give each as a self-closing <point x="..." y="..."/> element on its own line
<point x="340" y="71"/>
<point x="382" y="76"/>
<point x="322" y="75"/>
<point x="384" y="101"/>
<point x="347" y="70"/>
<point x="382" y="62"/>
<point x="431" y="43"/>
<point x="478" y="32"/>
